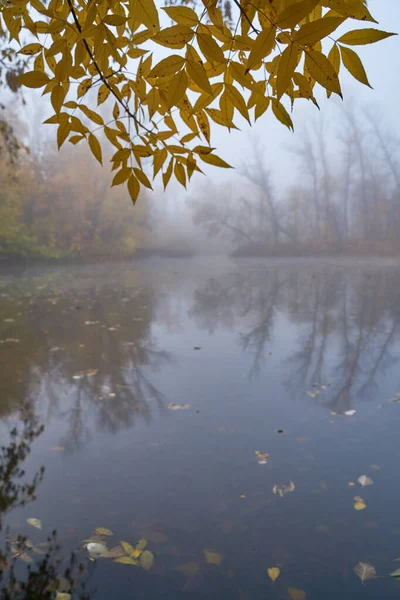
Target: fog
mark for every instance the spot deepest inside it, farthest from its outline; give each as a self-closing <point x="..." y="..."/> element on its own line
<point x="331" y="186"/>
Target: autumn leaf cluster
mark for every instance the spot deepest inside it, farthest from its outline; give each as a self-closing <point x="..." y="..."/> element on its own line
<point x="212" y="70"/>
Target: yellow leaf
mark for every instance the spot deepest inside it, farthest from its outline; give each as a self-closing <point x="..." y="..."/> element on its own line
<point x="213" y="159"/>
<point x="322" y="71"/>
<point x="119" y="178"/>
<point x="360" y="505"/>
<point x="126" y="560"/>
<point x="114" y="20"/>
<point x="145" y="11"/>
<point x="93" y="116"/>
<point x="159" y="159"/>
<point x="103" y="531"/>
<point x="313" y="32"/>
<point x="133" y="188"/>
<point x="210" y="48"/>
<point x="34" y="79"/>
<point x="218" y="117"/>
<point x="296" y="594"/>
<point x="128" y="548"/>
<point x="180" y="174"/>
<point x="142" y="177"/>
<point x="62" y="133"/>
<point x="273" y="573"/>
<point x="147" y="560"/>
<point x="204" y="124"/>
<point x="261" y="106"/>
<point x="76" y="138"/>
<point x="294" y="13"/>
<point x="353" y="64"/>
<point x="334" y="57"/>
<point x="361" y="37"/>
<point x="177" y="88"/>
<point x="167" y="66"/>
<point x="167" y="175"/>
<point x="95" y="147"/>
<point x="237" y="100"/>
<point x="263" y="45"/>
<point x="31" y="49"/>
<point x="183" y="15"/>
<point x="281" y="113"/>
<point x="198" y="74"/>
<point x="57" y="97"/>
<point x="286" y="67"/>
<point x="176" y="36"/>
<point x="102" y="94"/>
<point x="212" y="557"/>
<point x="355" y="9"/>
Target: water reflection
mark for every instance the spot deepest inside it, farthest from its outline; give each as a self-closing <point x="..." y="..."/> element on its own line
<point x="88" y="356"/>
<point x="341" y="328"/>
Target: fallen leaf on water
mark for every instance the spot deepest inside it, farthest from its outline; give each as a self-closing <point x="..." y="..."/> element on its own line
<point x="351" y="484"/>
<point x="96" y="549"/>
<point x="311" y="394"/>
<point x="364" y="571"/>
<point x="103" y="531"/>
<point x="189" y="569"/>
<point x="147" y="560"/>
<point x="296" y="594"/>
<point x="141" y="545"/>
<point x="128" y="548"/>
<point x="282" y="489"/>
<point x="273" y="573"/>
<point x="126" y="560"/>
<point x="63" y="596"/>
<point x="364" y="480"/>
<point x="115" y="552"/>
<point x="35" y="523"/>
<point x="262" y="457"/>
<point x="359" y="503"/>
<point x="25" y="557"/>
<point x="213" y="557"/>
<point x="350" y="413"/>
<point x="396" y="573"/>
<point x="173" y="406"/>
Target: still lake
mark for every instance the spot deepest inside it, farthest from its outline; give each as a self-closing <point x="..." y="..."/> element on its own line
<point x="135" y="397"/>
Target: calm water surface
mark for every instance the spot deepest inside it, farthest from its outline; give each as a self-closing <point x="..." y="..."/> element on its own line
<point x="269" y="357"/>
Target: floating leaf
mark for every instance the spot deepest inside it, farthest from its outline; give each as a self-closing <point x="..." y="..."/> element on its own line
<point x="364" y="571"/>
<point x="128" y="549"/>
<point x="115" y="552"/>
<point x="103" y="531"/>
<point x="296" y="594"/>
<point x="189" y="569"/>
<point x="96" y="549"/>
<point x="63" y="596"/>
<point x="273" y="573"/>
<point x="396" y="573"/>
<point x="173" y="406"/>
<point x="147" y="560"/>
<point x="364" y="480"/>
<point x="126" y="560"/>
<point x="281" y="489"/>
<point x="141" y="545"/>
<point x="35" y="523"/>
<point x="213" y="557"/>
<point x="262" y="457"/>
<point x="359" y="504"/>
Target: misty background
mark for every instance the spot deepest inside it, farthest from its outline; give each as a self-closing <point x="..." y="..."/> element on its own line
<point x="331" y="186"/>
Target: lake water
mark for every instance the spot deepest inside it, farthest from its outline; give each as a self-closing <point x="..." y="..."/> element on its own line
<point x="141" y="392"/>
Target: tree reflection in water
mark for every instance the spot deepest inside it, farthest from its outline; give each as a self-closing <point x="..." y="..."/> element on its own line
<point x="41" y="578"/>
<point x="348" y="323"/>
